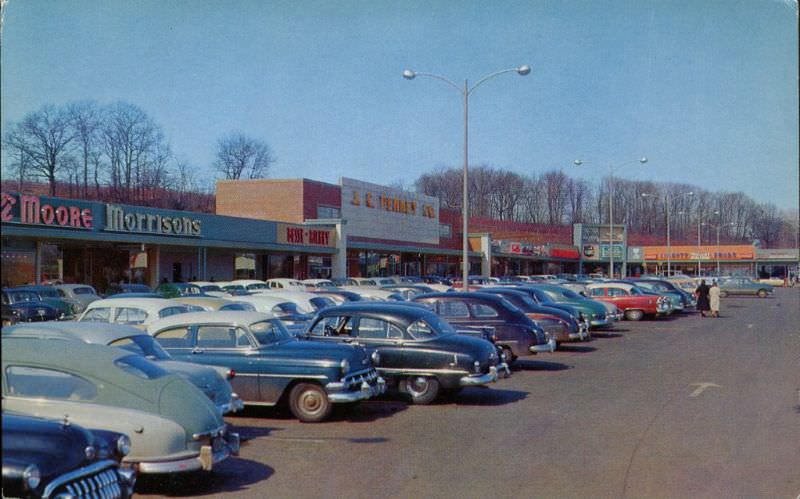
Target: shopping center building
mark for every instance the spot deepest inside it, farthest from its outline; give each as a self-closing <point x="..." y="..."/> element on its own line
<point x="304" y="228"/>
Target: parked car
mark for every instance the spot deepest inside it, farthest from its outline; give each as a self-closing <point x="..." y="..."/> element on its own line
<point x="271" y="365"/>
<point x="47" y="459"/>
<point x="206" y="303"/>
<point x="212" y="382"/>
<point x="552" y="294"/>
<point x="408" y="291"/>
<point x="173" y="426"/>
<point x="370" y="293"/>
<point x="122" y="288"/>
<point x="634" y="303"/>
<point x="744" y="286"/>
<point x="687" y="297"/>
<point x="49" y="294"/>
<point x="285" y="283"/>
<point x="132" y="311"/>
<point x="514" y="332"/>
<point x="306" y="302"/>
<point x="280" y="308"/>
<point x="412" y="348"/>
<point x="343" y="281"/>
<point x="10" y="316"/>
<point x="79" y="295"/>
<point x="318" y="283"/>
<point x="338" y="296"/>
<point x="28" y="306"/>
<point x="211" y="289"/>
<point x="559" y="324"/>
<point x="675" y="297"/>
<point x="176" y="289"/>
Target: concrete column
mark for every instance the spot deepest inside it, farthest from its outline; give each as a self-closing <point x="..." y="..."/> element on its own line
<point x="486" y="257"/>
<point x="37" y="264"/>
<point x="339" y="259"/>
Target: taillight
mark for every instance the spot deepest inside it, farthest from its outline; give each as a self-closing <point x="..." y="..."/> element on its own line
<point x="231" y="373"/>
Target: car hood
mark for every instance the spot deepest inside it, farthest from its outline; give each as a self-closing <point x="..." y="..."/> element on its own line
<point x="306" y="352"/>
<point x="206" y="379"/>
<point x="53" y="447"/>
<point x="183" y="403"/>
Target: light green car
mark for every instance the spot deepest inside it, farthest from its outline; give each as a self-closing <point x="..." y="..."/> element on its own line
<point x="744" y="286"/>
<point x="172" y="425"/>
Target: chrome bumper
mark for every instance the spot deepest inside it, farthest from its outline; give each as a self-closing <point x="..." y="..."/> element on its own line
<point x="221" y="448"/>
<point x="581" y="335"/>
<point x="550" y="346"/>
<point x="480" y="379"/>
<point x="366" y="391"/>
<point x="235" y="404"/>
<point x="599" y="322"/>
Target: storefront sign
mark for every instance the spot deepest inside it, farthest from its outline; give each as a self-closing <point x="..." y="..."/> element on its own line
<point x="595" y="234"/>
<point x="381" y="212"/>
<point x="776" y="254"/>
<point x="694" y="253"/>
<point x="568" y="253"/>
<point x="30" y="210"/>
<point x="618" y="251"/>
<point x="120" y="220"/>
<point x="306" y="236"/>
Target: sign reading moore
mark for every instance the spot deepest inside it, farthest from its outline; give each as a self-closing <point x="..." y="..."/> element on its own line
<point x="31" y="210"/>
<point x="123" y="219"/>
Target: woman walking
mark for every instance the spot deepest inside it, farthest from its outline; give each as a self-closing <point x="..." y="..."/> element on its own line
<point x="713" y="295"/>
<point x="702" y="298"/>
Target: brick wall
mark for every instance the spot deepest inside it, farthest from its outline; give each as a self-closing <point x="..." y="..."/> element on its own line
<point x="262" y="199"/>
<point x="319" y="193"/>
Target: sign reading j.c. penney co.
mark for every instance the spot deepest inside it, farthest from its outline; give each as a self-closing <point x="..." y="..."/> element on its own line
<point x="305" y="236"/>
<point x="31" y="210"/>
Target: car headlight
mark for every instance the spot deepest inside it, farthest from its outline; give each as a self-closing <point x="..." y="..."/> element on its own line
<point x="123" y="445"/>
<point x="345" y="365"/>
<point x="31" y="476"/>
<point x="376" y="358"/>
<point x="477" y="365"/>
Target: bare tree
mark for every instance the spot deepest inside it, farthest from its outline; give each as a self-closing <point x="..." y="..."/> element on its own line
<point x="14" y="140"/>
<point x="239" y="155"/>
<point x="84" y="118"/>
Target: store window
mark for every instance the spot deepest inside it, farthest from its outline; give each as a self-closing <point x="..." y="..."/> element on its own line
<point x="328" y="212"/>
<point x="319" y="267"/>
<point x="244" y="266"/>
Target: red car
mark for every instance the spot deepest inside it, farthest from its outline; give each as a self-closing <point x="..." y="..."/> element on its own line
<point x="634" y="302"/>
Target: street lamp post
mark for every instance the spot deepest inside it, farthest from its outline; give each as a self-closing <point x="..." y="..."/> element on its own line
<point x="465" y="92"/>
<point x="579" y="162"/>
<point x="667" y="199"/>
<point x="718" y="227"/>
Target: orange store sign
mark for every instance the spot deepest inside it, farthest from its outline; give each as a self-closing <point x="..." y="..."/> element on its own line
<point x="694" y="253"/>
<point x="306" y="236"/>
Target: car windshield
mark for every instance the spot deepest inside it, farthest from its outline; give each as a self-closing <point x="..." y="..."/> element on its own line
<point x="321" y="302"/>
<point x="269" y="332"/>
<point x="143" y="345"/>
<point x="286" y="308"/>
<point x="22" y="296"/>
<point x="257" y="285"/>
<point x="139" y="366"/>
<point x="84" y="291"/>
<point x="368" y="282"/>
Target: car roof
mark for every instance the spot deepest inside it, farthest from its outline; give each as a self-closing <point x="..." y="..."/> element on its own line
<point x="612" y="284"/>
<point x="407" y="311"/>
<point x="90" y="332"/>
<point x="238" y="317"/>
<point x="471" y="295"/>
<point x="73" y="285"/>
<point x="149" y="304"/>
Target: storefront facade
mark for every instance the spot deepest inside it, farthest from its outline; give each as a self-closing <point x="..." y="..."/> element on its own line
<point x="49" y="239"/>
<point x="598" y="243"/>
<point x="693" y="260"/>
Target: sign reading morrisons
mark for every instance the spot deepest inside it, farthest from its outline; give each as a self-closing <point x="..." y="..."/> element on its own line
<point x="120" y="220"/>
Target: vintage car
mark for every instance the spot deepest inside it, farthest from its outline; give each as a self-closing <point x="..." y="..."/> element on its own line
<point x="412" y="348"/>
<point x="213" y="382"/>
<point x="285" y="283"/>
<point x="48" y="294"/>
<point x="173" y="426"/>
<point x="48" y="459"/>
<point x="79" y="295"/>
<point x="559" y="324"/>
<point x="272" y="366"/>
<point x="343" y="281"/>
<point x="512" y="330"/>
<point x="311" y="284"/>
<point x="554" y="295"/>
<point x="673" y="294"/>
<point x="408" y="291"/>
<point x="123" y="288"/>
<point x="206" y="303"/>
<point x="10" y="316"/>
<point x="369" y="293"/>
<point x="28" y="306"/>
<point x="133" y="311"/>
<point x="211" y="289"/>
<point x="338" y="296"/>
<point x="633" y="301"/>
<point x="687" y="297"/>
<point x="306" y="302"/>
<point x="175" y="289"/>
<point x="744" y="286"/>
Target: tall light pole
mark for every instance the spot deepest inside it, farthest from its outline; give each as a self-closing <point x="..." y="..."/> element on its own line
<point x="667" y="199"/>
<point x="718" y="227"/>
<point x="579" y="162"/>
<point x="465" y="92"/>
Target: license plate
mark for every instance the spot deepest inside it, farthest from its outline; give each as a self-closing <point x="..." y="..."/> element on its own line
<point x="41" y="311"/>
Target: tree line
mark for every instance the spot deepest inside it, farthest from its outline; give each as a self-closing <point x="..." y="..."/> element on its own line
<point x="555" y="198"/>
<point x="117" y="152"/>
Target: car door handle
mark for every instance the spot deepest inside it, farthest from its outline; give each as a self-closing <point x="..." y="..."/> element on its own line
<point x="197" y="350"/>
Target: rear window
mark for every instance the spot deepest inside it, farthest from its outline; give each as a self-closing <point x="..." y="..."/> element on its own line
<point x="143" y="345"/>
<point x="287" y="308"/>
<point x="139" y="366"/>
<point x="101" y="314"/>
<point x="166" y="312"/>
<point x="130" y="315"/>
<point x="268" y="332"/>
<point x="83" y="291"/>
<point x="25" y="381"/>
<point x="238" y="306"/>
<point x="321" y="302"/>
<point x="482" y="310"/>
<point x="453" y="308"/>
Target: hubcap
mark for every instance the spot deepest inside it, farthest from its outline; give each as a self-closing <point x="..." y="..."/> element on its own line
<point x="418" y="385"/>
<point x="311" y="401"/>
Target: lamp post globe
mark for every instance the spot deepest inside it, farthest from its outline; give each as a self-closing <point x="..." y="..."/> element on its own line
<point x="524" y="70"/>
<point x="408" y="74"/>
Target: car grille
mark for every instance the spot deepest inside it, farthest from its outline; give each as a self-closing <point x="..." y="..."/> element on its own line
<point x="354" y="380"/>
<point x="102" y="484"/>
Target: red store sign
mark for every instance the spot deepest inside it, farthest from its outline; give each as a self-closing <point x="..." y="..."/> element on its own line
<point x="31" y="211"/>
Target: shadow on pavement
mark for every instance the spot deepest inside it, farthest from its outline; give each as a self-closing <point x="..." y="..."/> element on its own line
<point x="538" y="365"/>
<point x="371" y="410"/>
<point x="595" y="334"/>
<point x="484" y="396"/>
<point x="232" y="475"/>
<point x="575" y="349"/>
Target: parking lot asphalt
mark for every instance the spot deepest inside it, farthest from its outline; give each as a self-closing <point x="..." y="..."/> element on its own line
<point x="678" y="407"/>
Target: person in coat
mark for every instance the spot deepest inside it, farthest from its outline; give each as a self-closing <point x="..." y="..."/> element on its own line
<point x="713" y="299"/>
<point x="702" y="298"/>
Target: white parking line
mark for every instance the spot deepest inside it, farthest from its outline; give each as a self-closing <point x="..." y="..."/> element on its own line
<point x="701" y="388"/>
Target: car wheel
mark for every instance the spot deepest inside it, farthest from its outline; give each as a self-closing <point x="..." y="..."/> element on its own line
<point x="309" y="403"/>
<point x="423" y="389"/>
<point x="762" y="293"/>
<point x="634" y="315"/>
<point x="510" y="358"/>
<point x="723" y="294"/>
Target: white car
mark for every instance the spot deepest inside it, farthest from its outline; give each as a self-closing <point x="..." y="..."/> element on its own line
<point x="307" y="303"/>
<point x="249" y="284"/>
<point x="211" y="288"/>
<point x="318" y="283"/>
<point x="285" y="283"/>
<point x="373" y="294"/>
<point x="132" y="311"/>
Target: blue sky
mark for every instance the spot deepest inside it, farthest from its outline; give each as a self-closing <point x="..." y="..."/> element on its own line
<point x="707" y="89"/>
